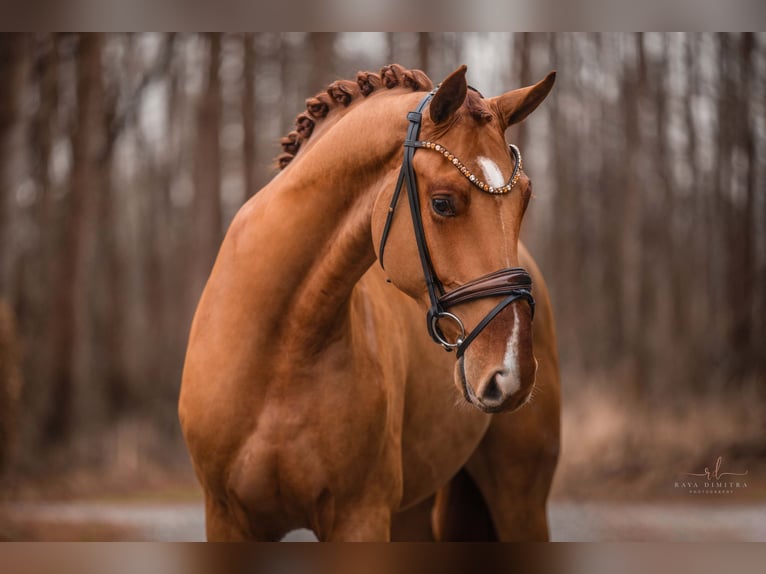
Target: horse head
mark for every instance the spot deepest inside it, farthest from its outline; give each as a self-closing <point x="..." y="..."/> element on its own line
<point x="470" y="194"/>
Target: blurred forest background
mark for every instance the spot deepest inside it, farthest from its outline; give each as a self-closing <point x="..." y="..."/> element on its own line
<point x="123" y="157"/>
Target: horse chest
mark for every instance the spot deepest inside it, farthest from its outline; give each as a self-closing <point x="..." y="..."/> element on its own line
<point x="305" y="451"/>
<point x="438" y="436"/>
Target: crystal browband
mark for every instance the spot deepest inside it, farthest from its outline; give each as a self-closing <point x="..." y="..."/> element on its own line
<point x="470" y="176"/>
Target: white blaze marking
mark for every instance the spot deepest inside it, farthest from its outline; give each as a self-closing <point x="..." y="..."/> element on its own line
<point x="507" y="245"/>
<point x="492" y="174"/>
<point x="510" y="381"/>
<point x="494" y="177"/>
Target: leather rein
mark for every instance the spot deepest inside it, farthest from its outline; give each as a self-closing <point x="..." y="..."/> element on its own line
<point x="511" y="283"/>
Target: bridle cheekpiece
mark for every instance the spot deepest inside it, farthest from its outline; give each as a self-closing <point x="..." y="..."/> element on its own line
<point x="511" y="283"/>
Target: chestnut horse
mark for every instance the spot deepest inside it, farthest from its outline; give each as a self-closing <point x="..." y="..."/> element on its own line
<point x="313" y="395"/>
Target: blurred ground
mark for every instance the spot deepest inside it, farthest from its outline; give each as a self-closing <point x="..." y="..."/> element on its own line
<point x="618" y="480"/>
<point x="138" y="520"/>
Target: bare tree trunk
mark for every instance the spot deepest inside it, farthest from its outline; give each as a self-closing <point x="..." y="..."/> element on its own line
<point x="758" y="167"/>
<point x="566" y="213"/>
<point x="608" y="195"/>
<point x="43" y="128"/>
<point x="248" y="115"/>
<point x="36" y="277"/>
<point x="660" y="252"/>
<point x="694" y="302"/>
<point x="10" y="386"/>
<point x="112" y="324"/>
<point x="285" y="85"/>
<point x="723" y="254"/>
<point x="159" y="267"/>
<point x="322" y="53"/>
<point x="424" y="51"/>
<point x="742" y="254"/>
<point x="709" y="326"/>
<point x="69" y="319"/>
<point x="207" y="214"/>
<point x="10" y="87"/>
<point x="11" y="79"/>
<point x="635" y="299"/>
<point x="523" y="55"/>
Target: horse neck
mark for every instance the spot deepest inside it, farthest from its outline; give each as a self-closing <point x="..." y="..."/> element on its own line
<point x="317" y="236"/>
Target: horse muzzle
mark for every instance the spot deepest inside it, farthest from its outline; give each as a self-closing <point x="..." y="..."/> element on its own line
<point x="498" y="373"/>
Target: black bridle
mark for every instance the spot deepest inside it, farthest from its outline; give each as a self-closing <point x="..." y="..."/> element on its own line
<point x="512" y="283"/>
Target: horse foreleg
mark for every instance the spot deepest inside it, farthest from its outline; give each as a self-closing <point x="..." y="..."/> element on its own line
<point x="460" y="512"/>
<point x="360" y="523"/>
<point x="220" y="524"/>
<point x="413" y="524"/>
<point x="514" y="465"/>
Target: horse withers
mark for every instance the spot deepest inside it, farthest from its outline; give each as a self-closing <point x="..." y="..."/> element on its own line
<point x="313" y="395"/>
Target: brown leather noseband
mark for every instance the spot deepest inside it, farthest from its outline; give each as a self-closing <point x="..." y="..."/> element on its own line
<point x="512" y="283"/>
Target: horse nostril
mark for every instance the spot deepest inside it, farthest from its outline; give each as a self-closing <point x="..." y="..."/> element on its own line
<point x="492" y="390"/>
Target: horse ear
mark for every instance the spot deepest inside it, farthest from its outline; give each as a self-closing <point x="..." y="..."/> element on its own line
<point x="450" y="96"/>
<point x="516" y="105"/>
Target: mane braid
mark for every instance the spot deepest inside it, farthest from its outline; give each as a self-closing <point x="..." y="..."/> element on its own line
<point x="338" y="96"/>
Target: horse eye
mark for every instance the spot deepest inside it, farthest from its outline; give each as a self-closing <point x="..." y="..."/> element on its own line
<point x="443" y="206"/>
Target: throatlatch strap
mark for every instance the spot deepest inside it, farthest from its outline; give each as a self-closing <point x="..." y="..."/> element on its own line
<point x="390" y="216"/>
<point x="407" y="176"/>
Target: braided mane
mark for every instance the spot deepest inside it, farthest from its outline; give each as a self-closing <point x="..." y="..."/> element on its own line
<point x="339" y="95"/>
